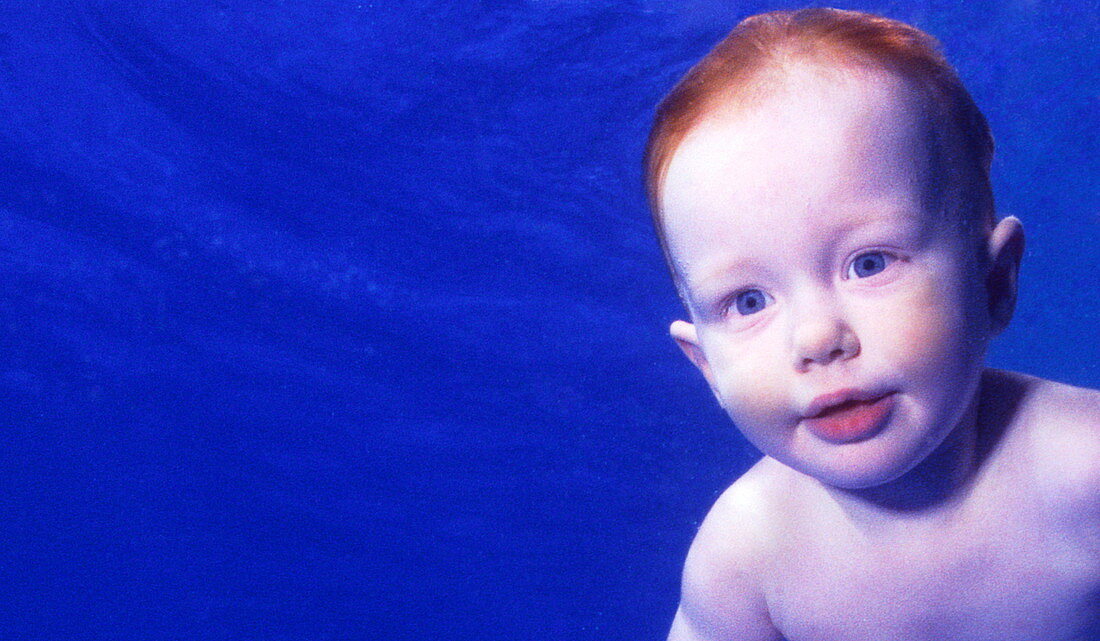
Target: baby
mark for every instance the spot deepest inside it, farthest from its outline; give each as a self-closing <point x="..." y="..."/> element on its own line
<point x="820" y="187"/>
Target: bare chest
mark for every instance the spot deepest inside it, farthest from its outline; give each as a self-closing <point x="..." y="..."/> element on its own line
<point x="1002" y="575"/>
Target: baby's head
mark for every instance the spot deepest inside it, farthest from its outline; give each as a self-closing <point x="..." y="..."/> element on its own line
<point x="820" y="187"/>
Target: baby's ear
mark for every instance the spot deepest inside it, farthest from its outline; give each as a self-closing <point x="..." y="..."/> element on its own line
<point x="1006" y="249"/>
<point x="688" y="339"/>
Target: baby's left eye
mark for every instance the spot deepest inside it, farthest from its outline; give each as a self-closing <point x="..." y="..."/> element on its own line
<point x="869" y="263"/>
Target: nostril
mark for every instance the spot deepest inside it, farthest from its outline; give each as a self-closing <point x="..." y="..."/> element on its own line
<point x="819" y="343"/>
<point x="836" y="354"/>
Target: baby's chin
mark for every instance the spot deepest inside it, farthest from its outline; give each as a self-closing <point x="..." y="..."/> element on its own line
<point x="857" y="466"/>
<point x="893" y="455"/>
<point x="856" y="478"/>
<point x="860" y="479"/>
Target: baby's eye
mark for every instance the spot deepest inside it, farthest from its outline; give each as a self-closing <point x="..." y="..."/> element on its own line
<point x="750" y="301"/>
<point x="869" y="263"/>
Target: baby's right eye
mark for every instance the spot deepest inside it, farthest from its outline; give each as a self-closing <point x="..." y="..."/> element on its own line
<point x="750" y="301"/>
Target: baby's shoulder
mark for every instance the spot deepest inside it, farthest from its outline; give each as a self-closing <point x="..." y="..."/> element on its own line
<point x="1059" y="419"/>
<point x="722" y="582"/>
<point x="1061" y="426"/>
<point x="743" y="519"/>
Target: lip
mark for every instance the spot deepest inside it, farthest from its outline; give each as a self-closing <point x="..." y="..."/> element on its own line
<point x="849" y="415"/>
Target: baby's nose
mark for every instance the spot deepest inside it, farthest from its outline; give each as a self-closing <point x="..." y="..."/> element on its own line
<point x="822" y="339"/>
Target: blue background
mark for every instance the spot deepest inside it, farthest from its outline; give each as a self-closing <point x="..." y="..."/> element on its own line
<point x="344" y="320"/>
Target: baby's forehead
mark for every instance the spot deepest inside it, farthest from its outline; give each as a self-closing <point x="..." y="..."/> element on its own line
<point x="851" y="124"/>
<point x="822" y="155"/>
<point x="791" y="104"/>
<point x="808" y="83"/>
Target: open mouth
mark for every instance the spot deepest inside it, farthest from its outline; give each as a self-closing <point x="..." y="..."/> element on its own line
<point x="851" y="420"/>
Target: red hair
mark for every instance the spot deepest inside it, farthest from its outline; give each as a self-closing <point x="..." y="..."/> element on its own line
<point x="737" y="69"/>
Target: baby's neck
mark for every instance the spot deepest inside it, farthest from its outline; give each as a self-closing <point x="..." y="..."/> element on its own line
<point x="937" y="486"/>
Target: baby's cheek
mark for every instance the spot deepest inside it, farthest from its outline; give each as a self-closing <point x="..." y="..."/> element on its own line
<point x="928" y="326"/>
<point x="750" y="385"/>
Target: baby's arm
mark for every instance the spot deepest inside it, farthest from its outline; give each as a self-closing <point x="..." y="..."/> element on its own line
<point x="726" y="610"/>
<point x="721" y="597"/>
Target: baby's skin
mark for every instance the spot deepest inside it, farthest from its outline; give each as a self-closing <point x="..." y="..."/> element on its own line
<point x="840" y="311"/>
<point x="1012" y="553"/>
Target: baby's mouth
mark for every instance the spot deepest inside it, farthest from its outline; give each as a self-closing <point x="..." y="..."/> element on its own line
<point x="841" y="407"/>
<point x="852" y="419"/>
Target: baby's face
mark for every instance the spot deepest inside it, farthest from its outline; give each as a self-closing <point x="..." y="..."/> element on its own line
<point x="839" y="317"/>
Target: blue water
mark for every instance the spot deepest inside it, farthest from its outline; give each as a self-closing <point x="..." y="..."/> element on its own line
<point x="343" y="320"/>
